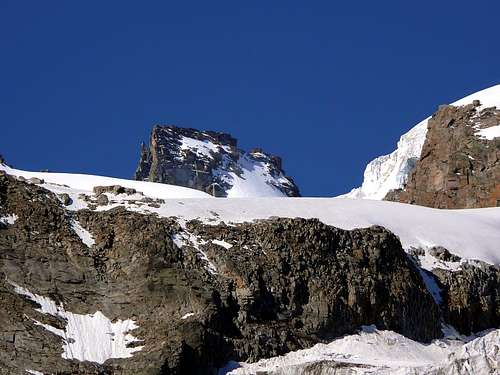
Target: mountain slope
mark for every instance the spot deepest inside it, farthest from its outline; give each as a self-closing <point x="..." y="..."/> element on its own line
<point x="390" y="172"/>
<point x="470" y="234"/>
<point x="173" y="273"/>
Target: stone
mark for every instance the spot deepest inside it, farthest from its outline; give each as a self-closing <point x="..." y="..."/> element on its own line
<point x="114" y="189"/>
<point x="457" y="168"/>
<point x="165" y="160"/>
<point x="65" y="199"/>
<point x="36" y="180"/>
<point x="471" y="296"/>
<point x="102" y="200"/>
<point x="443" y="254"/>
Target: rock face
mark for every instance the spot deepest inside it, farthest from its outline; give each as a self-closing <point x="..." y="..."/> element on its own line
<point x="211" y="162"/>
<point x="471" y="296"/>
<point x="452" y="137"/>
<point x="460" y="162"/>
<point x="251" y="290"/>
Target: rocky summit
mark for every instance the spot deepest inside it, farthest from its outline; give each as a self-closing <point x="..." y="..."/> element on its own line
<point x="449" y="160"/>
<point x="211" y="162"/>
<point x="460" y="162"/>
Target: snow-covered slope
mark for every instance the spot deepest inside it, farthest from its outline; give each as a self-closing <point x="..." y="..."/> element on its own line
<point x="383" y="352"/>
<point x="471" y="234"/>
<point x="391" y="171"/>
<point x="82" y="183"/>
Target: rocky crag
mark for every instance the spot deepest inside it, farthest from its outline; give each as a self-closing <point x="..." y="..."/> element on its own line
<point x="211" y="162"/>
<point x="459" y="166"/>
<point x="449" y="160"/>
<point x="250" y="290"/>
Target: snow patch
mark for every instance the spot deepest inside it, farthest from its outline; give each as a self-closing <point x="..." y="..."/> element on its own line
<point x="185" y="316"/>
<point x="9" y="219"/>
<point x="224" y="244"/>
<point x="253" y="180"/>
<point x="83" y="233"/>
<point x="489" y="133"/>
<point x="89" y="337"/>
<point x="201" y="148"/>
<point x="34" y="372"/>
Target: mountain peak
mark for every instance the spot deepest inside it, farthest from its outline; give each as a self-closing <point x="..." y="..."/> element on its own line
<point x="391" y="172"/>
<point x="211" y="162"/>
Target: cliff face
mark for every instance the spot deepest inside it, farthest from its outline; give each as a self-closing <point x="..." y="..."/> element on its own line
<point x="211" y="162"/>
<point x="448" y="160"/>
<point x="141" y="286"/>
<point x="459" y="166"/>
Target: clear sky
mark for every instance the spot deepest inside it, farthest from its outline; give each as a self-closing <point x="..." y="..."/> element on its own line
<point x="327" y="85"/>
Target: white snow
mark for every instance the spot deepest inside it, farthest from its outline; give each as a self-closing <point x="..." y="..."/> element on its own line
<point x="83" y="233"/>
<point x="224" y="244"/>
<point x="89" y="337"/>
<point x="391" y="171"/>
<point x="83" y="183"/>
<point x="429" y="262"/>
<point x="471" y="233"/>
<point x="201" y="148"/>
<point x="385" y="352"/>
<point x="34" y="372"/>
<point x="254" y="181"/>
<point x="185" y="316"/>
<point x="8" y="219"/>
<point x="489" y="133"/>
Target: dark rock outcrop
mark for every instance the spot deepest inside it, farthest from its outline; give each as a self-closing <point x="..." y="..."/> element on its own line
<point x="457" y="168"/>
<point x="208" y="161"/>
<point x="471" y="296"/>
<point x="279" y="285"/>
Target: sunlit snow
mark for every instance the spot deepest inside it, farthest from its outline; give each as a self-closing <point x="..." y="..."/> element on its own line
<point x="8" y="219"/>
<point x="374" y="351"/>
<point x="83" y="233"/>
<point x="489" y="133"/>
<point x="89" y="337"/>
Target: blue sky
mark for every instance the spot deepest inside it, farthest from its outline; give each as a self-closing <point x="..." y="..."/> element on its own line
<point x="326" y="85"/>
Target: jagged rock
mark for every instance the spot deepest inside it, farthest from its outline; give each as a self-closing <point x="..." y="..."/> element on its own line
<point x="36" y="180"/>
<point x="211" y="162"/>
<point x="471" y="296"/>
<point x="279" y="285"/>
<point x="102" y="200"/>
<point x="65" y="199"/>
<point x="114" y="189"/>
<point x="443" y="254"/>
<point x="457" y="168"/>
